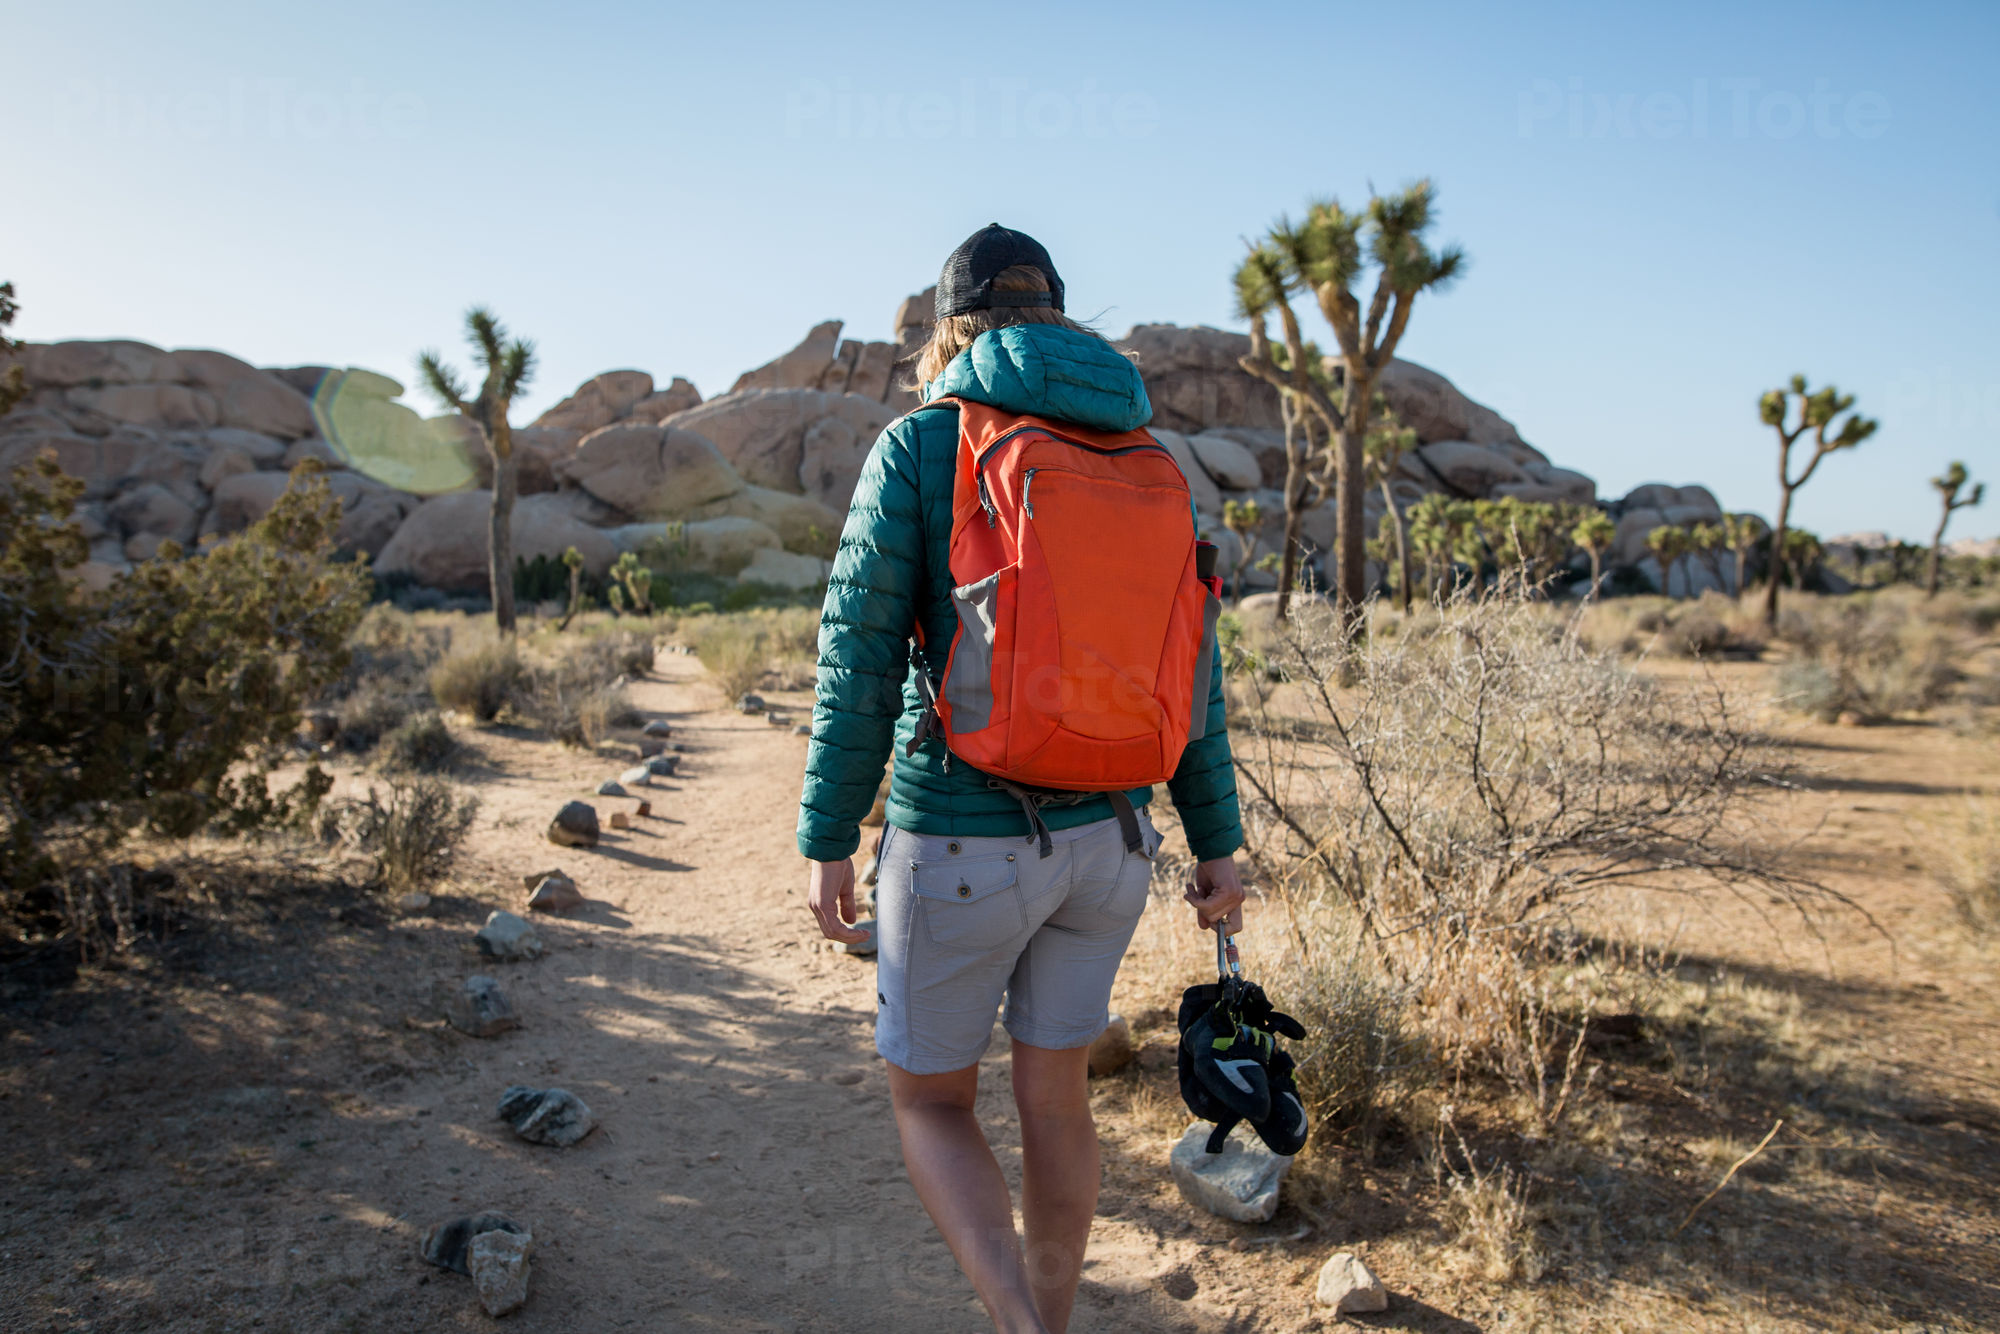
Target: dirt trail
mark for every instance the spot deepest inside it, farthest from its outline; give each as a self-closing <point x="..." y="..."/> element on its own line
<point x="265" y="1149"/>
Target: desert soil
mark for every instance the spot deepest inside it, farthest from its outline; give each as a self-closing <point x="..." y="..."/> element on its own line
<point x="250" y="1124"/>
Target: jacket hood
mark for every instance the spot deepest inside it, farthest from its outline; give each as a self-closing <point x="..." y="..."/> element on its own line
<point x="1048" y="371"/>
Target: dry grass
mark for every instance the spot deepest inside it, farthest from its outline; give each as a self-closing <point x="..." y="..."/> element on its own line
<point x="1876" y="655"/>
<point x="413" y="835"/>
<point x="768" y="647"/>
<point x="1965" y="858"/>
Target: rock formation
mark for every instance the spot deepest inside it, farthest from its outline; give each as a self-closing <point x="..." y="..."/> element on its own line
<point x="189" y="445"/>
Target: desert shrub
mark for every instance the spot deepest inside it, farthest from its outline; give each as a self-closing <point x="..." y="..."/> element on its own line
<point x="420" y="744"/>
<point x="742" y="651"/>
<point x="413" y="835"/>
<point x="1965" y="857"/>
<point x="1471" y="799"/>
<point x="1356" y="1024"/>
<point x="390" y="657"/>
<point x="1876" y="656"/>
<point x="481" y="682"/>
<point x="165" y="699"/>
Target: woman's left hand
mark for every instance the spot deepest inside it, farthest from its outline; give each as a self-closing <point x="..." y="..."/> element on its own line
<point x="1217" y="895"/>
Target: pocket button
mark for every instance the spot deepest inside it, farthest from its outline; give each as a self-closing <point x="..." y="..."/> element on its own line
<point x="965" y="891"/>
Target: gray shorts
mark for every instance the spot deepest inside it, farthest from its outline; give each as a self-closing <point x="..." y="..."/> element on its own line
<point x="962" y="922"/>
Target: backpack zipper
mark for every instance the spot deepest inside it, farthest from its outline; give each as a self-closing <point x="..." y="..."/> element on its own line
<point x="1027" y="486"/>
<point x="986" y="497"/>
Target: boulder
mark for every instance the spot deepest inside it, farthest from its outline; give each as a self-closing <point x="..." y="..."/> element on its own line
<point x="106" y="462"/>
<point x="546" y="1116"/>
<point x="1267" y="447"/>
<point x="661" y="404"/>
<point x="266" y="451"/>
<point x="312" y="447"/>
<point x="479" y="1008"/>
<point x="785" y="569"/>
<point x="1432" y="406"/>
<point x="1207" y="497"/>
<point x="245" y="397"/>
<point x="305" y="379"/>
<point x="498" y="1261"/>
<point x="800" y="368"/>
<point x="1240" y="1183"/>
<point x="801" y="523"/>
<point x="725" y="546"/>
<point x="1471" y="469"/>
<point x="915" y="315"/>
<point x="537" y="452"/>
<point x="1628" y="546"/>
<point x="155" y="406"/>
<point x="443" y="542"/>
<point x="506" y="936"/>
<point x="1193" y="379"/>
<point x="84" y="362"/>
<point x="223" y="464"/>
<point x="793" y="440"/>
<point x="1232" y="465"/>
<point x="150" y="508"/>
<point x="650" y="472"/>
<point x="1348" y="1286"/>
<point x="599" y="401"/>
<point x="574" y="826"/>
<point x="1659" y="496"/>
<point x="1570" y="487"/>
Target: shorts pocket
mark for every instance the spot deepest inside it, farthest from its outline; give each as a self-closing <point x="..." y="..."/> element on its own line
<point x="971" y="905"/>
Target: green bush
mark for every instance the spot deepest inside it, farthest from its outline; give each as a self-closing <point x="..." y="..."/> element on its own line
<point x="165" y="699"/>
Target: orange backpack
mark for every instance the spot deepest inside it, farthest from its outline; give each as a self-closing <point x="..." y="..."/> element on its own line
<point x="1085" y="629"/>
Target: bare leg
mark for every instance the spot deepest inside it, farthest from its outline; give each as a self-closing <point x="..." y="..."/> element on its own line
<point x="1059" y="1171"/>
<point x="958" y="1179"/>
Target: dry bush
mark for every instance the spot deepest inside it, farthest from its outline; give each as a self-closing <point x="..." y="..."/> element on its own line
<point x="481" y="682"/>
<point x="1710" y="626"/>
<point x="1488" y="1209"/>
<point x="421" y="743"/>
<point x="1965" y="858"/>
<point x="413" y="835"/>
<point x="746" y="650"/>
<point x="1478" y="789"/>
<point x="1876" y="656"/>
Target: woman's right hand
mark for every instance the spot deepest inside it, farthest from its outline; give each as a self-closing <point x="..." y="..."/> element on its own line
<point x="830" y="895"/>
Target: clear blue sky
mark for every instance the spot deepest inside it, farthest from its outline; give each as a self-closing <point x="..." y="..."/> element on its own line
<point x="1668" y="208"/>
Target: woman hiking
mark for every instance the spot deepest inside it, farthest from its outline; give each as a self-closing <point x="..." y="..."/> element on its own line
<point x="1064" y="646"/>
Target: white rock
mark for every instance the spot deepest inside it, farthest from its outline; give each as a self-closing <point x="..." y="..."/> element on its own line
<point x="499" y="1264"/>
<point x="443" y="542"/>
<point x="785" y="569"/>
<point x="1233" y="467"/>
<point x="650" y="472"/>
<point x="1346" y="1284"/>
<point x="1240" y="1183"/>
<point x="599" y="401"/>
<point x="506" y="936"/>
<point x="1207" y="498"/>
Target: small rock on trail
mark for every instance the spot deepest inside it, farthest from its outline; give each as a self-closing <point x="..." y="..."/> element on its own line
<point x="557" y="893"/>
<point x="506" y="936"/>
<point x="546" y="1116"/>
<point x="750" y="704"/>
<point x="479" y="1008"/>
<point x="638" y="776"/>
<point x="663" y="766"/>
<point x="575" y="826"/>
<point x="657" y="727"/>
<point x="499" y="1264"/>
<point x="611" y="787"/>
<point x="1346" y="1284"/>
<point x="1112" y="1049"/>
<point x="445" y="1244"/>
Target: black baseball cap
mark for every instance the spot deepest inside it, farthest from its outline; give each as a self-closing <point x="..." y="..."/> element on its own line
<point x="967" y="281"/>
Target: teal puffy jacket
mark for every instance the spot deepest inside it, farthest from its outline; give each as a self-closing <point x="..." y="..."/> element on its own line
<point x="892" y="572"/>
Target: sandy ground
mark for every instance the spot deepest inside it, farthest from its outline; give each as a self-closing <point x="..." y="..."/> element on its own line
<point x="249" y="1128"/>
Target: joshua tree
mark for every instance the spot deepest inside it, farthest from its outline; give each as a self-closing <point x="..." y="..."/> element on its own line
<point x="1740" y="532"/>
<point x="631" y="585"/>
<point x="1817" y="412"/>
<point x="1708" y="541"/>
<point x="1241" y="517"/>
<point x="1670" y="545"/>
<point x="1388" y="441"/>
<point x="1444" y="531"/>
<point x="1802" y="553"/>
<point x="573" y="559"/>
<point x="1948" y="486"/>
<point x="1594" y="533"/>
<point x="13" y="384"/>
<point x="1322" y="258"/>
<point x="508" y="367"/>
